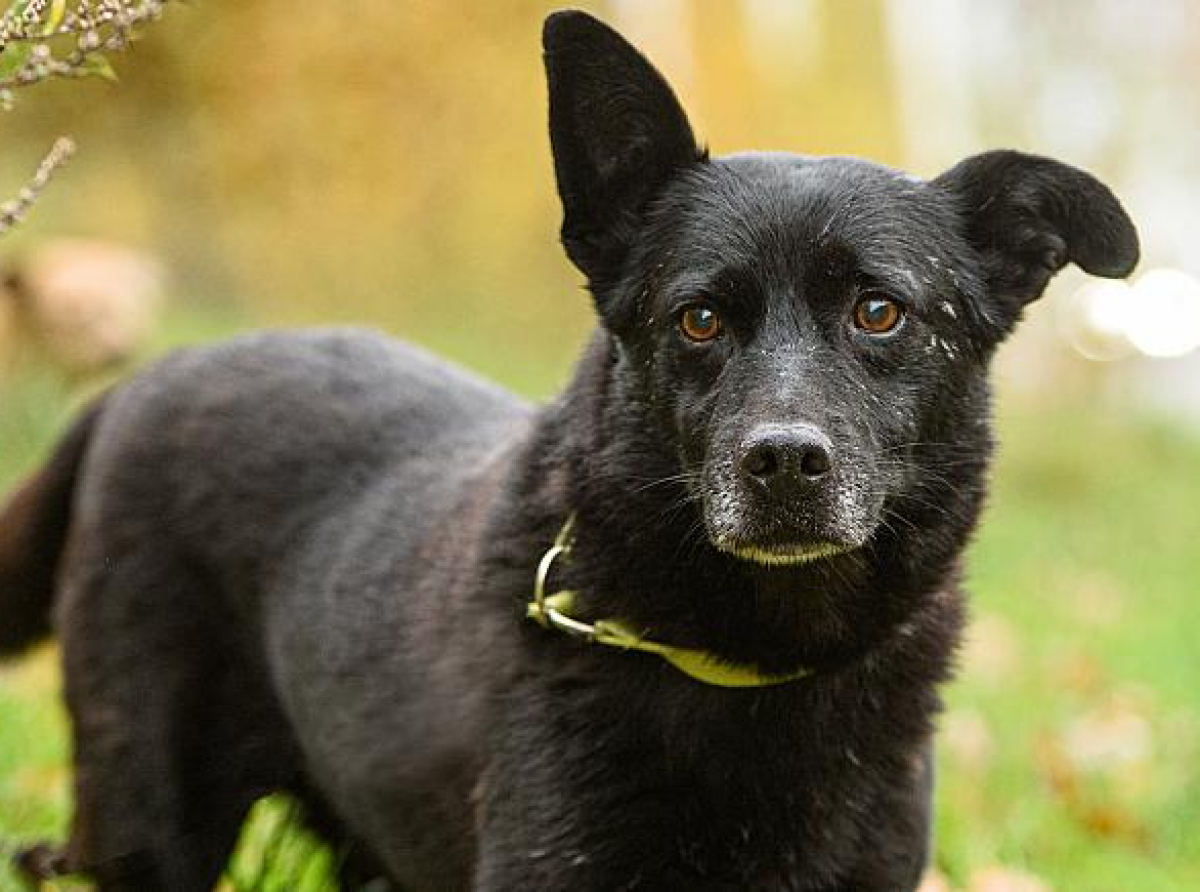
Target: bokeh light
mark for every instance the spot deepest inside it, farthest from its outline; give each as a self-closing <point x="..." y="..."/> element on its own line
<point x="1164" y="319"/>
<point x="1157" y="316"/>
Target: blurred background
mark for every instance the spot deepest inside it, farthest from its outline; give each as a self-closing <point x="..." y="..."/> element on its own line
<point x="387" y="164"/>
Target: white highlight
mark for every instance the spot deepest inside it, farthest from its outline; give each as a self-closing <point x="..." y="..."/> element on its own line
<point x="1157" y="316"/>
<point x="1167" y="320"/>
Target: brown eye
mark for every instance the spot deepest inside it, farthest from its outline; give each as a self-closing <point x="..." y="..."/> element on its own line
<point x="700" y="323"/>
<point x="878" y="315"/>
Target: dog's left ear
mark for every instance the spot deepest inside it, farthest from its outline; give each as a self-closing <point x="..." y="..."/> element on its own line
<point x="1028" y="217"/>
<point x="617" y="133"/>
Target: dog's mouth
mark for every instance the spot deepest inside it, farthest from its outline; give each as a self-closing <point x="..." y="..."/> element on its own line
<point x="804" y="530"/>
<point x="786" y="554"/>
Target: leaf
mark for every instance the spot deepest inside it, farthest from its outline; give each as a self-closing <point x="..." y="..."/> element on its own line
<point x="98" y="66"/>
<point x="13" y="59"/>
<point x="54" y="17"/>
<point x="17" y="8"/>
<point x="1001" y="879"/>
<point x="934" y="882"/>
<point x="14" y="56"/>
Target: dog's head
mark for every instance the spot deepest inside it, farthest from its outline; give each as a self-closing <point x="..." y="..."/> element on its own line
<point x="800" y="328"/>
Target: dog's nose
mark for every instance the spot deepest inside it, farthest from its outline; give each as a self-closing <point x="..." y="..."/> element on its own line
<point x="782" y="457"/>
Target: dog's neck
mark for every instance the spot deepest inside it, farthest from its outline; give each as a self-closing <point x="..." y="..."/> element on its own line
<point x="641" y="552"/>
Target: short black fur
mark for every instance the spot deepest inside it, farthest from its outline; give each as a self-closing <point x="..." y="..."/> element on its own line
<point x="301" y="561"/>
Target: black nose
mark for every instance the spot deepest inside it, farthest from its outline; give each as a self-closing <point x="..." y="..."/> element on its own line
<point x="781" y="457"/>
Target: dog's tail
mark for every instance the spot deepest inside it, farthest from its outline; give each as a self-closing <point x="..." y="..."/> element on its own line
<point x="33" y="529"/>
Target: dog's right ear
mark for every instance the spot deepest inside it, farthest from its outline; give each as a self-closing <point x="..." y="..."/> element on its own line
<point x="617" y="133"/>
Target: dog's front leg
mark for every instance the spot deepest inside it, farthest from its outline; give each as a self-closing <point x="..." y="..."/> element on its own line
<point x="897" y="851"/>
<point x="533" y="840"/>
<point x="548" y="826"/>
<point x="554" y="816"/>
<point x="510" y="872"/>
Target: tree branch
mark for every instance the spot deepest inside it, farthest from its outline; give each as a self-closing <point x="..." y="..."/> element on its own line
<point x="13" y="211"/>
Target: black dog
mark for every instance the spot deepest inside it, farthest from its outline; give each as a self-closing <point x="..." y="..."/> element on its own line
<point x="324" y="563"/>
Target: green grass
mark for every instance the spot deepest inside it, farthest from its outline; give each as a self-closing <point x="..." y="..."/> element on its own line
<point x="1086" y="571"/>
<point x="1071" y="747"/>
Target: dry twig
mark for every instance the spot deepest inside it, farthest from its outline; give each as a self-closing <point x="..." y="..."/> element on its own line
<point x="13" y="211"/>
<point x="44" y="39"/>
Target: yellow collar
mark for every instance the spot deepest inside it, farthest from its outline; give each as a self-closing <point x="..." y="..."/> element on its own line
<point x="554" y="612"/>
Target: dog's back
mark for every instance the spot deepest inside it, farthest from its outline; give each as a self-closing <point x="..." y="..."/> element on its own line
<point x="288" y="429"/>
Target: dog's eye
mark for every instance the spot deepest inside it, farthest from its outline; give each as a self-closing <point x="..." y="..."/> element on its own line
<point x="877" y="315"/>
<point x="700" y="323"/>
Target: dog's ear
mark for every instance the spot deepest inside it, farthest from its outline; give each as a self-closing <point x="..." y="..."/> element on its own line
<point x="1027" y="217"/>
<point x="617" y="134"/>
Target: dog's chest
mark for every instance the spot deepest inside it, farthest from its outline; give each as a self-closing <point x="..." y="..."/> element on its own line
<point x="771" y="819"/>
<point x="736" y="798"/>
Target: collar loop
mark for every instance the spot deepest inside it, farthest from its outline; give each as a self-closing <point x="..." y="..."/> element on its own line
<point x="554" y="612"/>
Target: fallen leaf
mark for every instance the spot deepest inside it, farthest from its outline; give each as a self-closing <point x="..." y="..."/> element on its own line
<point x="991" y="650"/>
<point x="968" y="738"/>
<point x="1004" y="879"/>
<point x="1113" y="735"/>
<point x="935" y="881"/>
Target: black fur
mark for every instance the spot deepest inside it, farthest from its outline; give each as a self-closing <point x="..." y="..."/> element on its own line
<point x="300" y="561"/>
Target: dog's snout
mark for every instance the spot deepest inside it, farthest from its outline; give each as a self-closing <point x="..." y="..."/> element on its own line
<point x="782" y="457"/>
